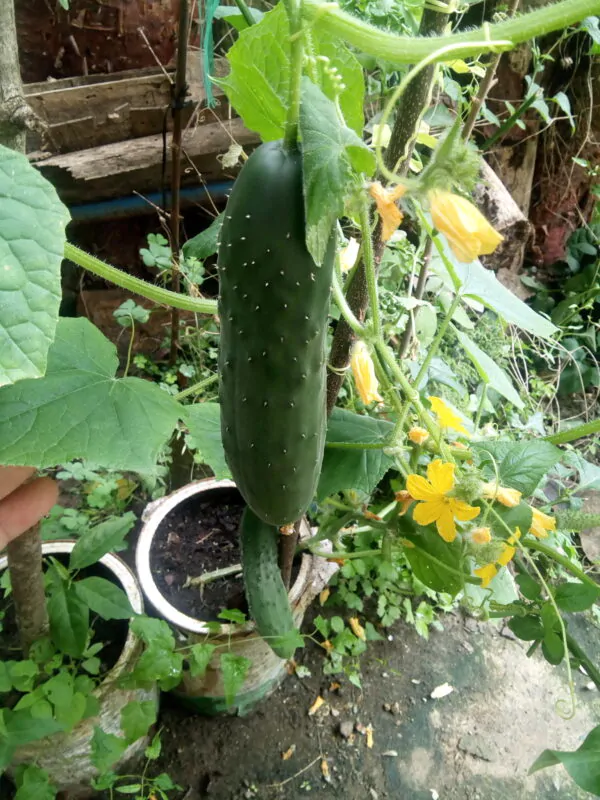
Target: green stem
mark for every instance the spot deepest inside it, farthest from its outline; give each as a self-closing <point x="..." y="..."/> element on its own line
<point x="369" y="262"/>
<point x="346" y="311"/>
<point x="245" y="11"/>
<point x="357" y="445"/>
<point x="197" y="387"/>
<point x="546" y="550"/>
<point x="294" y="13"/>
<point x="342" y="554"/>
<point x="441" y="332"/>
<point x="480" y="406"/>
<point x="506" y="126"/>
<point x="410" y="49"/>
<point x="586" y="662"/>
<point x="130" y="348"/>
<point x="587" y="429"/>
<point x="137" y="286"/>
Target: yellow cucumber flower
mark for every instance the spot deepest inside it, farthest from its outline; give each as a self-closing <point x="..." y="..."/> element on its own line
<point x="364" y="374"/>
<point x="503" y="494"/>
<point x="436" y="505"/>
<point x="390" y="214"/>
<point x="446" y="417"/>
<point x="468" y="232"/>
<point x="541" y="523"/>
<point x="481" y="535"/>
<point x="487" y="574"/>
<point x="348" y="255"/>
<point x="489" y="571"/>
<point x="405" y="499"/>
<point x="418" y="435"/>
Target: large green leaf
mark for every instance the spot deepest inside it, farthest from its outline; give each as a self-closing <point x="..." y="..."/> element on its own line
<point x="32" y="239"/>
<point x="234" y="670"/>
<point x="521" y="465"/>
<point x="436" y="563"/>
<point x="489" y="371"/>
<point x="583" y="764"/>
<point x="101" y="539"/>
<point x="333" y="157"/>
<point x="80" y="410"/>
<point x="104" y="598"/>
<point x="137" y="717"/>
<point x="576" y="596"/>
<point x="69" y="618"/>
<point x="258" y="83"/>
<point x="204" y="424"/>
<point x="358" y="469"/>
<point x="106" y="749"/>
<point x="482" y="284"/>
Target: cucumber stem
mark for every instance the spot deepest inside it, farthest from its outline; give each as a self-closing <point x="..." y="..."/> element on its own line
<point x="294" y="13"/>
<point x="563" y="437"/>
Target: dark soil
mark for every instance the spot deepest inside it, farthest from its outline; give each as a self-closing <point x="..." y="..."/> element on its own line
<point x="199" y="537"/>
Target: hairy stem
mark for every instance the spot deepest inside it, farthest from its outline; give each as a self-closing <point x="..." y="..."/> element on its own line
<point x="563" y="437"/>
<point x="296" y="55"/>
<point x="27" y="581"/>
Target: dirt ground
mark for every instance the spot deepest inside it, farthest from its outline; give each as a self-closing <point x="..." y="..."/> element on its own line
<point x="475" y="743"/>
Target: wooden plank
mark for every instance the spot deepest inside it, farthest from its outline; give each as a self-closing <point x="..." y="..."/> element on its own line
<point x="119" y="169"/>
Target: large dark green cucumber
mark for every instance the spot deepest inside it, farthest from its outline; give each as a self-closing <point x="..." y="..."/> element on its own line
<point x="273" y="306"/>
<point x="267" y="598"/>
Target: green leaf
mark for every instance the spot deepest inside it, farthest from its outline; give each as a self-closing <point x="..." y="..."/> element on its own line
<point x="521" y="465"/>
<point x="345" y="469"/>
<point x="553" y="648"/>
<point x="103" y="538"/>
<point x="154" y="632"/>
<point x="528" y="628"/>
<point x="59" y="689"/>
<point x="205" y="243"/>
<point x="23" y="728"/>
<point x="33" y="782"/>
<point x="431" y="555"/>
<point x="159" y="664"/>
<point x="583" y="764"/>
<point x="489" y="371"/>
<point x="104" y="598"/>
<point x="106" y="749"/>
<point x="235" y="17"/>
<point x="129" y="788"/>
<point x="199" y="658"/>
<point x="22" y="674"/>
<point x="573" y="597"/>
<point x="529" y="588"/>
<point x="233" y="615"/>
<point x="136" y="719"/>
<point x="204" y="424"/>
<point x="152" y="752"/>
<point x="32" y="239"/>
<point x="332" y="156"/>
<point x="481" y="284"/>
<point x="164" y="782"/>
<point x="80" y="410"/>
<point x="69" y="619"/>
<point x="5" y="681"/>
<point x="258" y="83"/>
<point x="234" y="670"/>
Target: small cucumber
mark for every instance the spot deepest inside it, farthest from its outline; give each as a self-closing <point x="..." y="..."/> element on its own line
<point x="273" y="307"/>
<point x="267" y="598"/>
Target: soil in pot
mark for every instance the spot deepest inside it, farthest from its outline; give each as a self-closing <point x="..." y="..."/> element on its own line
<point x="200" y="536"/>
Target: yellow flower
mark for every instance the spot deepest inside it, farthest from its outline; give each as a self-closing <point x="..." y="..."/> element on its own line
<point x="446" y="417"/>
<point x="405" y="499"/>
<point x="468" y="232"/>
<point x="489" y="571"/>
<point x="486" y="573"/>
<point x="364" y="374"/>
<point x="508" y="497"/>
<point x="481" y="535"/>
<point x="418" y="435"/>
<point x="436" y="505"/>
<point x="348" y="255"/>
<point x="541" y="523"/>
<point x="390" y="214"/>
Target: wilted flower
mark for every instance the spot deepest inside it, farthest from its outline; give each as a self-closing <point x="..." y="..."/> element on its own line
<point x="390" y="214"/>
<point x="446" y="416"/>
<point x="541" y="523"/>
<point x="418" y="435"/>
<point x="468" y="232"/>
<point x="364" y="374"/>
<point x="503" y="494"/>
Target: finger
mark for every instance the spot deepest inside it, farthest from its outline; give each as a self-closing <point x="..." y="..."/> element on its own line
<point x="24" y="507"/>
<point x="12" y="477"/>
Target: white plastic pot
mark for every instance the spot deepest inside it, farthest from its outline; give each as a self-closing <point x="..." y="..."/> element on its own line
<point x="207" y="694"/>
<point x="66" y="756"/>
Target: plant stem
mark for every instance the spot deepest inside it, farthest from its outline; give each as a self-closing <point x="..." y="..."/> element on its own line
<point x="369" y="265"/>
<point x="215" y="575"/>
<point x="441" y="332"/>
<point x="357" y="445"/>
<point x="586" y="662"/>
<point x="587" y="429"/>
<point x="410" y="49"/>
<point x="197" y="387"/>
<point x="130" y="348"/>
<point x="180" y="93"/>
<point x="485" y="85"/>
<point x="246" y="13"/>
<point x="27" y="581"/>
<point x="344" y="307"/>
<point x="506" y="126"/>
<point x="409" y="331"/>
<point x="138" y="286"/>
<point x="344" y="555"/>
<point x="534" y="544"/>
<point x="294" y="14"/>
<point x="287" y="551"/>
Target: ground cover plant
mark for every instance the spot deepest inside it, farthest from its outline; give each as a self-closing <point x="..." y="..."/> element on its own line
<point x="413" y="489"/>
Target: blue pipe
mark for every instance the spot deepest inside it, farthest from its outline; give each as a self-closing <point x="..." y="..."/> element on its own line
<point x="132" y="205"/>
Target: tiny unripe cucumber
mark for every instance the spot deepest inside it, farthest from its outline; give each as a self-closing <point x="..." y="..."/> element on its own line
<point x="266" y="595"/>
<point x="273" y="307"/>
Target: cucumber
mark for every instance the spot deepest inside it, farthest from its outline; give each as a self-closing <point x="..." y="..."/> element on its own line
<point x="273" y="306"/>
<point x="267" y="598"/>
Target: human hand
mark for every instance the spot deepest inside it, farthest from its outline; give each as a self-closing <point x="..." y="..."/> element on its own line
<point x="23" y="504"/>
